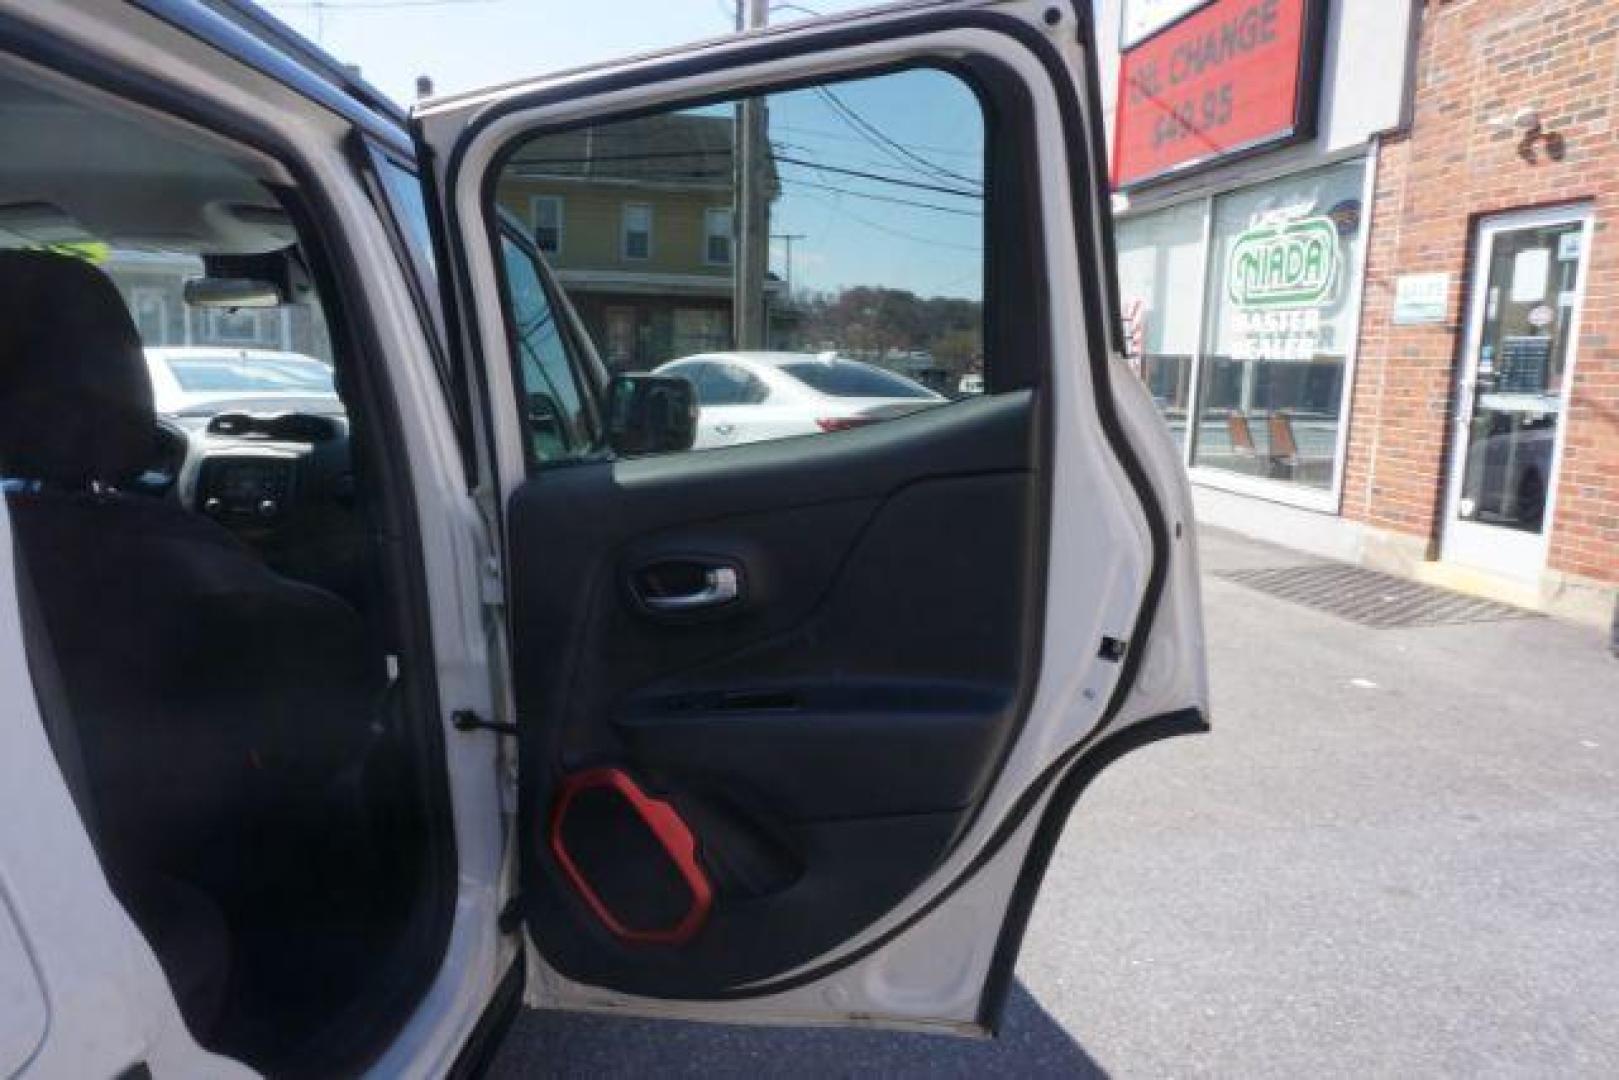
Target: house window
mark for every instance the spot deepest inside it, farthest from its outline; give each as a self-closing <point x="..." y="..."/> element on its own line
<point x="636" y="231"/>
<point x="546" y="212"/>
<point x="717" y="236"/>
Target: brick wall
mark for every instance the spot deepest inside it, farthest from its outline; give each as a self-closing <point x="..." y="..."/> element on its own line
<point x="1479" y="59"/>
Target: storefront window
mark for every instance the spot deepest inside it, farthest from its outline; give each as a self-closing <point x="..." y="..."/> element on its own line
<point x="1160" y="273"/>
<point x="1280" y="322"/>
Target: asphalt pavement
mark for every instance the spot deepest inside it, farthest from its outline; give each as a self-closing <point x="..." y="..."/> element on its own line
<point x="1397" y="854"/>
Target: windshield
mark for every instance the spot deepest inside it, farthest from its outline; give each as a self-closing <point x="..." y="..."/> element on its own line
<point x="236" y="375"/>
<point x="849" y="378"/>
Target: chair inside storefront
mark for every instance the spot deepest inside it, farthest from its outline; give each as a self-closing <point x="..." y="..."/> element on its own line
<point x="1287" y="461"/>
<point x="1242" y="436"/>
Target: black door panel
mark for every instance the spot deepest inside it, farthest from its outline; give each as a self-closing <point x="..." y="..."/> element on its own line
<point x="823" y="736"/>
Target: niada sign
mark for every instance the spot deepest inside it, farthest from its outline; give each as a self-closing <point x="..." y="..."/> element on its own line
<point x="1294" y="265"/>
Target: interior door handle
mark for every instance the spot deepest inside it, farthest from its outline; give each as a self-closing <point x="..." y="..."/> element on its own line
<point x="721" y="585"/>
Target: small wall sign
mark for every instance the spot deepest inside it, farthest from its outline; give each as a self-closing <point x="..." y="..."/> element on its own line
<point x="1420" y="298"/>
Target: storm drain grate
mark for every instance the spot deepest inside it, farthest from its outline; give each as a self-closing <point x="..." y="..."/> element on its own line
<point x="1371" y="598"/>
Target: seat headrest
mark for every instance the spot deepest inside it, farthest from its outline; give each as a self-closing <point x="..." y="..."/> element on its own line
<point x="75" y="395"/>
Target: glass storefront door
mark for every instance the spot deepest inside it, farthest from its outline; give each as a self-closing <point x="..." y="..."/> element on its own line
<point x="1522" y="327"/>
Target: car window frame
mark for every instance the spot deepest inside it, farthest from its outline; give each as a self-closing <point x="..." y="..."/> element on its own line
<point x="590" y="390"/>
<point x="370" y="157"/>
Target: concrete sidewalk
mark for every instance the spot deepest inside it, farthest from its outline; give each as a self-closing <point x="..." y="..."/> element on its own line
<point x="1397" y="853"/>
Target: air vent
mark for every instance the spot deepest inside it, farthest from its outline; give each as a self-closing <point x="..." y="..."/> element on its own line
<point x="277" y="427"/>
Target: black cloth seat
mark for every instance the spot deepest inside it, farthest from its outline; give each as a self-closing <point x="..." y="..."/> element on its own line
<point x="197" y="701"/>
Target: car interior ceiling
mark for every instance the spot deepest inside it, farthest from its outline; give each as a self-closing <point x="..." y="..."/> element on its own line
<point x="208" y="616"/>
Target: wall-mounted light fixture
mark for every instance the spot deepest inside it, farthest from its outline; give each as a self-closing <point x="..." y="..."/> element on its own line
<point x="1527" y="120"/>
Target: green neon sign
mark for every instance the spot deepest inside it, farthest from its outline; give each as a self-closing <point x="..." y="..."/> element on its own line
<point x="1284" y="266"/>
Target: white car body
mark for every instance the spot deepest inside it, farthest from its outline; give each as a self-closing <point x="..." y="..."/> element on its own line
<point x="171" y="395"/>
<point x="789" y="405"/>
<point x="1121" y="656"/>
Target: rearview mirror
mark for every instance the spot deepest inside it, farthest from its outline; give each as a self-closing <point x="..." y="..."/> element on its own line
<point x="211" y="292"/>
<point x="651" y="414"/>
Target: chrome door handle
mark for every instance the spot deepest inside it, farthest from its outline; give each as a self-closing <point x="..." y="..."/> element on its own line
<point x="721" y="585"/>
<point x="724" y="429"/>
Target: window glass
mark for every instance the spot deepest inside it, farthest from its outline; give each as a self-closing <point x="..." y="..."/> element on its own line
<point x="695" y="373"/>
<point x="722" y="384"/>
<point x="409" y="205"/>
<point x="248" y="374"/>
<point x="637" y="231"/>
<point x="1279" y="326"/>
<point x="152" y="283"/>
<point x="859" y="235"/>
<point x="1521" y="366"/>
<point x="548" y="223"/>
<point x="848" y="378"/>
<point x="727" y="384"/>
<point x="1160" y="273"/>
<point x="555" y="413"/>
<point x="717" y="236"/>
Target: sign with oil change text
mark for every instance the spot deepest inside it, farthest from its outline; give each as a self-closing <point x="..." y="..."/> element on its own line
<point x="1232" y="77"/>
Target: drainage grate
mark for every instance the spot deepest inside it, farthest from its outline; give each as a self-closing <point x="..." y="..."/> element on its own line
<point x="1371" y="598"/>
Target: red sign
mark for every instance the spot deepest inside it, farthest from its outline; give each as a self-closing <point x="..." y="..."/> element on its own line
<point x="1225" y="79"/>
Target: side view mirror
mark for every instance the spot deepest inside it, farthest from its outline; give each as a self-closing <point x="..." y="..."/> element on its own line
<point x="651" y="414"/>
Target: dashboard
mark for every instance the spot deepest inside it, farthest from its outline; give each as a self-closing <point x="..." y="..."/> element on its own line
<point x="258" y="472"/>
<point x="281" y="481"/>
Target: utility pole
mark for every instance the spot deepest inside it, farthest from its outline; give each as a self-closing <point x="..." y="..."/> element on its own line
<point x="787" y="239"/>
<point x="752" y="203"/>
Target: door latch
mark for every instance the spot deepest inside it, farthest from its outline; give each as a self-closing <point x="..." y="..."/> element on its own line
<point x="467" y="720"/>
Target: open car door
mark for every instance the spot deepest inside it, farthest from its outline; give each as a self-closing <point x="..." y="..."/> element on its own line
<point x="799" y="722"/>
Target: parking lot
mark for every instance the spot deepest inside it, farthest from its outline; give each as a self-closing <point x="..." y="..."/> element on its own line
<point x="1397" y="853"/>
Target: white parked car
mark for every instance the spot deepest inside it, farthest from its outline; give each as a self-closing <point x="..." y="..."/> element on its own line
<point x="331" y="743"/>
<point x="202" y="379"/>
<point x="748" y="397"/>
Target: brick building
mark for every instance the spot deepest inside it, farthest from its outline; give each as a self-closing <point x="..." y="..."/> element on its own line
<point x="1366" y="255"/>
<point x="1512" y="150"/>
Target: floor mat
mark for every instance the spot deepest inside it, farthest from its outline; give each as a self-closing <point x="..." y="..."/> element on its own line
<point x="1370" y="597"/>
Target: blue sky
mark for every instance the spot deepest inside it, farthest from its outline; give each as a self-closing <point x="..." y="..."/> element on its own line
<point x="920" y="131"/>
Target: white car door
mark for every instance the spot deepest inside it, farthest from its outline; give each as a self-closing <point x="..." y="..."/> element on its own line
<point x="799" y="723"/>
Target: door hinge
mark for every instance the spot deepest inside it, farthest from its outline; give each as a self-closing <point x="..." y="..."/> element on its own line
<point x="1113" y="649"/>
<point x="467" y="720"/>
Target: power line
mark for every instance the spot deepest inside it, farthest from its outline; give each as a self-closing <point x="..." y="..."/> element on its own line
<point x="660" y="155"/>
<point x="882" y="198"/>
<point x="793" y="146"/>
<point x="838" y="136"/>
<point x="889" y="146"/>
<point x="898" y="233"/>
<point x="878" y="177"/>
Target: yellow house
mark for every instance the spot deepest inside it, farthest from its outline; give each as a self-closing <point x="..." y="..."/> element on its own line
<point x="636" y="218"/>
